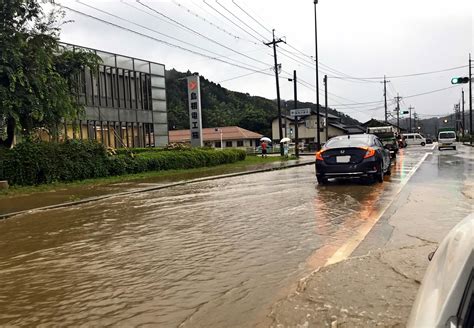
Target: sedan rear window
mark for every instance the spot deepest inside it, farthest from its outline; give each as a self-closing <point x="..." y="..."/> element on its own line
<point x="344" y="141"/>
<point x="447" y="135"/>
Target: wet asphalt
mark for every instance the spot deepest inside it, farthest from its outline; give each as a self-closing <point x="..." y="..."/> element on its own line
<point x="210" y="254"/>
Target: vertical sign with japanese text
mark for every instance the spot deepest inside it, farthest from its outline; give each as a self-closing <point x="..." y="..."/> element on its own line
<point x="194" y="101"/>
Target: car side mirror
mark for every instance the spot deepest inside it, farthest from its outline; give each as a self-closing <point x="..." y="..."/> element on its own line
<point x="430" y="255"/>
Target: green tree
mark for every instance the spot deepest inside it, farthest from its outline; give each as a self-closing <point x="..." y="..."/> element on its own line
<point x="39" y="81"/>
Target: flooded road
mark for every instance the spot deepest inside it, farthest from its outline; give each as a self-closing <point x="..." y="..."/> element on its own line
<point x="209" y="254"/>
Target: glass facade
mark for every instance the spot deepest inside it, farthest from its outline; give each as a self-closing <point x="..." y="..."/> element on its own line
<point x="125" y="102"/>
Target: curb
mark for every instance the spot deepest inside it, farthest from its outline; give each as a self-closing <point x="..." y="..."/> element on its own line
<point x="131" y="192"/>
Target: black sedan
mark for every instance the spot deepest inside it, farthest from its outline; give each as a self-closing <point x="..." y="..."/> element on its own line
<point x="353" y="156"/>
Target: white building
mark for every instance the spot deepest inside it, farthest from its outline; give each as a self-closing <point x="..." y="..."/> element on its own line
<point x="230" y="136"/>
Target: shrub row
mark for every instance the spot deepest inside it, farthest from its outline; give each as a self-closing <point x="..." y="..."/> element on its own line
<point x="32" y="163"/>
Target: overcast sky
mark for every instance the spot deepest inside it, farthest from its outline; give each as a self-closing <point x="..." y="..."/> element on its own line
<point x="365" y="38"/>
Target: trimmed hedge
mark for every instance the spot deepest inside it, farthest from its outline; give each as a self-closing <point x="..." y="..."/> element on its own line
<point x="32" y="163"/>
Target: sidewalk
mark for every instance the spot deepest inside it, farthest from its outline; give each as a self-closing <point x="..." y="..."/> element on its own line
<point x="377" y="285"/>
<point x="73" y="195"/>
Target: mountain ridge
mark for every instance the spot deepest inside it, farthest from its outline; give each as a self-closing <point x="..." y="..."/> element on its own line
<point x="224" y="107"/>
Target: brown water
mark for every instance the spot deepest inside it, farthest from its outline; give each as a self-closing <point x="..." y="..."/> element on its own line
<point x="210" y="254"/>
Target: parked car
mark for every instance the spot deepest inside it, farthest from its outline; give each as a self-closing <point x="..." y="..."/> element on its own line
<point x="447" y="139"/>
<point x="446" y="295"/>
<point x="353" y="156"/>
<point x="414" y="139"/>
<point x="291" y="146"/>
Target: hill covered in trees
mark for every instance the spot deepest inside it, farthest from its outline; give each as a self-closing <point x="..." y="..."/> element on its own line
<point x="222" y="107"/>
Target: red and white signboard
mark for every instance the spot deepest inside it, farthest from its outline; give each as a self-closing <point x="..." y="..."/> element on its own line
<point x="194" y="101"/>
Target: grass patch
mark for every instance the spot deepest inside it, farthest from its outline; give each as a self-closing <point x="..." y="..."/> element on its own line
<point x="153" y="176"/>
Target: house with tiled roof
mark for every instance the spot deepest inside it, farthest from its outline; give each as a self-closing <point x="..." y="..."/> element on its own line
<point x="220" y="137"/>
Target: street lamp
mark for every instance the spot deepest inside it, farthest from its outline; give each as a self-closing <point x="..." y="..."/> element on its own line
<point x="296" y="117"/>
<point x="318" y="136"/>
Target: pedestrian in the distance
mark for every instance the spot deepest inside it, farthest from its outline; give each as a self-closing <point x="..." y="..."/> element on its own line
<point x="264" y="149"/>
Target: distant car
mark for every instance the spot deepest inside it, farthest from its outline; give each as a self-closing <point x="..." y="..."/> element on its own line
<point x="353" y="156"/>
<point x="446" y="295"/>
<point x="447" y="139"/>
<point x="291" y="146"/>
<point x="429" y="141"/>
<point x="414" y="139"/>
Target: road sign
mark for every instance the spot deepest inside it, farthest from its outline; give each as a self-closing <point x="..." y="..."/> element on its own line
<point x="300" y="112"/>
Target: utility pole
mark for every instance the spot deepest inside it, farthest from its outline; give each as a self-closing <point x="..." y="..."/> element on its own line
<point x="274" y="43"/>
<point x="297" y="119"/>
<point x="410" y="108"/>
<point x="318" y="131"/>
<point x="470" y="101"/>
<point x="397" y="98"/>
<point x="326" y="106"/>
<point x="456" y="118"/>
<point x="462" y="106"/>
<point x="385" y="97"/>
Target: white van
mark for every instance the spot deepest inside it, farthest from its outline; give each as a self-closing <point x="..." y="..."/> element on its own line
<point x="414" y="139"/>
<point x="447" y="139"/>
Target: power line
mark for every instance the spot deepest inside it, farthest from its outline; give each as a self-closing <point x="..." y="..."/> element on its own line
<point x="239" y="76"/>
<point x="161" y="41"/>
<point x="310" y="59"/>
<point x="168" y="36"/>
<point x="406" y="75"/>
<point x="429" y="92"/>
<point x="255" y="20"/>
<point x="211" y="23"/>
<point x="223" y="7"/>
<point x="198" y="33"/>
<point x="217" y="11"/>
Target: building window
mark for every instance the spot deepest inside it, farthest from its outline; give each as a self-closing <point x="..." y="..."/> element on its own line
<point x="228" y="143"/>
<point x="251" y="143"/>
<point x="218" y="144"/>
<point x="240" y="143"/>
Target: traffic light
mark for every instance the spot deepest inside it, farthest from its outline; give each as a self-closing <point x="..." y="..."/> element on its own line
<point x="405" y="112"/>
<point x="459" y="80"/>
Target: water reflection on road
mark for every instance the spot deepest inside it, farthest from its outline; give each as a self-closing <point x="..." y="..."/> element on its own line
<point x="210" y="254"/>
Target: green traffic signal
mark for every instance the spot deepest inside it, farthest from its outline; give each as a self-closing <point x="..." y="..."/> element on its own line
<point x="459" y="80"/>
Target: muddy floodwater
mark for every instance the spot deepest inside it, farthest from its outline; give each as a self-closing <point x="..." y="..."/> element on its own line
<point x="209" y="254"/>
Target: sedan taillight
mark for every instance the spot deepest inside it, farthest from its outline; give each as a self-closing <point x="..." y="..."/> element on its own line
<point x="319" y="155"/>
<point x="369" y="151"/>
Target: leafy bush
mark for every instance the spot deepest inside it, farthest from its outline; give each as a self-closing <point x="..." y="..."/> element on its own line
<point x="32" y="163"/>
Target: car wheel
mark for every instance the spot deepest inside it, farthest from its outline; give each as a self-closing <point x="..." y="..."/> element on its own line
<point x="379" y="175"/>
<point x="423" y="144"/>
<point x="454" y="148"/>
<point x="322" y="180"/>
<point x="389" y="170"/>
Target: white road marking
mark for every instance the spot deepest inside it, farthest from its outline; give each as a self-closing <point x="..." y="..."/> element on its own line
<point x="346" y="250"/>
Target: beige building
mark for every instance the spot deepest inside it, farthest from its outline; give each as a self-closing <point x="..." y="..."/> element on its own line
<point x="225" y="137"/>
<point x="307" y="128"/>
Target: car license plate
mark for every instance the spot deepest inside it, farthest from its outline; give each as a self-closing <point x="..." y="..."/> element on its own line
<point x="343" y="159"/>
